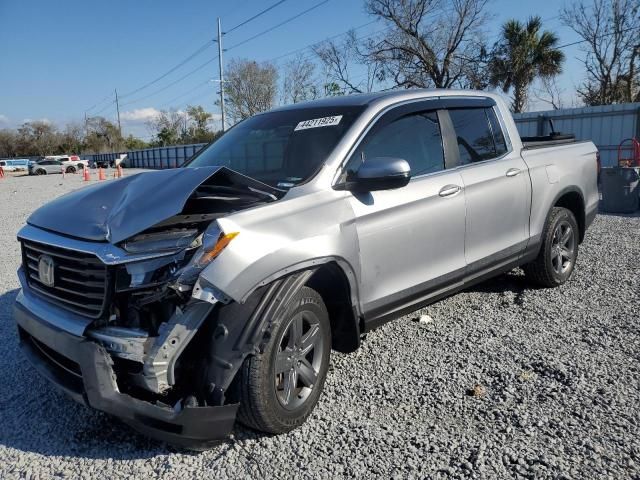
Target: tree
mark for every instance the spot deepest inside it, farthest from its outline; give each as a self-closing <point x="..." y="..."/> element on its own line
<point x="198" y="130"/>
<point x="429" y="43"/>
<point x="169" y="127"/>
<point x="37" y="138"/>
<point x="8" y="143"/>
<point x="102" y="136"/>
<point x="338" y="58"/>
<point x="523" y="54"/>
<point x="71" y="139"/>
<point x="133" y="143"/>
<point x="610" y="30"/>
<point x="299" y="80"/>
<point x="250" y="88"/>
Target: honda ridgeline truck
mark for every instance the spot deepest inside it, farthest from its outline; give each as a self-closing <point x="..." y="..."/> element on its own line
<point x="181" y="300"/>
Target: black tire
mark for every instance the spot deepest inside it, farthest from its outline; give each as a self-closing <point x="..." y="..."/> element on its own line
<point x="261" y="399"/>
<point x="70" y="170"/>
<point x="41" y="172"/>
<point x="557" y="258"/>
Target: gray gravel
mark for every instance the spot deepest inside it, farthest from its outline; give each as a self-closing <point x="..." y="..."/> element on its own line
<point x="507" y="381"/>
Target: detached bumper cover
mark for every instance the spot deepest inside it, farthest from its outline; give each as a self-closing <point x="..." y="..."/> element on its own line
<point x="82" y="369"/>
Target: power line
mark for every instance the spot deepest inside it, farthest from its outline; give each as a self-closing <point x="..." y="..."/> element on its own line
<point x="290" y="19"/>
<point x="171" y="70"/>
<point x="254" y="17"/>
<point x="200" y="67"/>
<point x="200" y="85"/>
<point x="112" y="102"/>
<point x="275" y="59"/>
<point x="98" y="103"/>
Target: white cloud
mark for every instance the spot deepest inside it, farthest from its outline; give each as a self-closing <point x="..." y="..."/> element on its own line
<point x="139" y="115"/>
<point x="43" y="120"/>
<point x="4" y="120"/>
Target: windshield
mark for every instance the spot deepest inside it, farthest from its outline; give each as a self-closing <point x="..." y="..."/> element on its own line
<point x="281" y="149"/>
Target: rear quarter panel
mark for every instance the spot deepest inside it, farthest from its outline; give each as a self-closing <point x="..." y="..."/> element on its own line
<point x="556" y="170"/>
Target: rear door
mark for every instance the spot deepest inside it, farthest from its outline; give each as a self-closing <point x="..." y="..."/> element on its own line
<point x="497" y="189"/>
<point x="411" y="239"/>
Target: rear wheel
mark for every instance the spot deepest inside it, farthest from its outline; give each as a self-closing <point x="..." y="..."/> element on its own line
<point x="559" y="251"/>
<point x="70" y="170"/>
<point x="40" y="171"/>
<point x="279" y="388"/>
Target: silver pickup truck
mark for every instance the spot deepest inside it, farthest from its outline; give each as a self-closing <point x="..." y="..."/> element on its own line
<point x="181" y="300"/>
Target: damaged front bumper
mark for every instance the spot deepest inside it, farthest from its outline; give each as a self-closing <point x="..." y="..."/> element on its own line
<point x="84" y="370"/>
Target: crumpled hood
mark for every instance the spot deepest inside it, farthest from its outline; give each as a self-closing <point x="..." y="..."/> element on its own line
<point x="118" y="209"/>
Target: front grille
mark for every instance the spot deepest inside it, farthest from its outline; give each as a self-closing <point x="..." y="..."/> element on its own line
<point x="81" y="280"/>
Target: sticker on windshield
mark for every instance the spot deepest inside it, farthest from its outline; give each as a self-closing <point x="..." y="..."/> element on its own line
<point x="318" y="122"/>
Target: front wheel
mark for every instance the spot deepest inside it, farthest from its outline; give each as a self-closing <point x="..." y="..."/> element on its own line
<point x="279" y="388"/>
<point x="41" y="172"/>
<point x="558" y="252"/>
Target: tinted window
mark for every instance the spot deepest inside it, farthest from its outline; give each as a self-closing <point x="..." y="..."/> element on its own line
<point x="281" y="148"/>
<point x="415" y="138"/>
<point x="476" y="140"/>
<point x="498" y="136"/>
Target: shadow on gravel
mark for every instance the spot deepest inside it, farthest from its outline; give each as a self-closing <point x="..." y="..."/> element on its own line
<point x="35" y="417"/>
<point x="507" y="282"/>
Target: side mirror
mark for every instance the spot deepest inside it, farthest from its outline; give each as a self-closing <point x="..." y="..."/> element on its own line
<point x="380" y="173"/>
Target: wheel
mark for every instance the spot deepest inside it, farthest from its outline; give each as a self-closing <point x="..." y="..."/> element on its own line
<point x="279" y="388"/>
<point x="70" y="170"/>
<point x="40" y="171"/>
<point x="559" y="251"/>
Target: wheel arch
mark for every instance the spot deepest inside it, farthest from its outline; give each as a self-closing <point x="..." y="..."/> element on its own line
<point x="572" y="199"/>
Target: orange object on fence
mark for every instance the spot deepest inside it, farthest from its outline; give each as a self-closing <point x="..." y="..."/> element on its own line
<point x="86" y="175"/>
<point x="101" y="175"/>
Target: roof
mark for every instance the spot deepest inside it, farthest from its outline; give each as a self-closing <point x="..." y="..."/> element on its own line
<point x="366" y="99"/>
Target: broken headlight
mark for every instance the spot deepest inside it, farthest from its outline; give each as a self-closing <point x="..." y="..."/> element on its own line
<point x="211" y="243"/>
<point x="161" y="241"/>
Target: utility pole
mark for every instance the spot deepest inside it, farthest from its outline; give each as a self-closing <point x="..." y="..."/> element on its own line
<point x="118" y="110"/>
<point x="221" y="74"/>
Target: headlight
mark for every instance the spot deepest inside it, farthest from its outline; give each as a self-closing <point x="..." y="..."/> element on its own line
<point x="160" y="241"/>
<point x="213" y="241"/>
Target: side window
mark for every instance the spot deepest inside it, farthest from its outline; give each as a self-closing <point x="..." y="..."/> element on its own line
<point x="415" y="138"/>
<point x="498" y="135"/>
<point x="476" y="141"/>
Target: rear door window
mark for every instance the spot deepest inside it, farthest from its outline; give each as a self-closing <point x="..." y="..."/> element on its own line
<point x="478" y="137"/>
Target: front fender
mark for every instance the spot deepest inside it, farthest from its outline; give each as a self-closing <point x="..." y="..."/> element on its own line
<point x="277" y="245"/>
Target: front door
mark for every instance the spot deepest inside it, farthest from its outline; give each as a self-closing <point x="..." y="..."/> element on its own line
<point x="411" y="239"/>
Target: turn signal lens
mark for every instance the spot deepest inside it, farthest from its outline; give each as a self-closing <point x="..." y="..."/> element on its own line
<point x="220" y="245"/>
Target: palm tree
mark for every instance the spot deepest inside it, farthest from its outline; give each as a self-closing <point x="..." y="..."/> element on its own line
<point x="522" y="54"/>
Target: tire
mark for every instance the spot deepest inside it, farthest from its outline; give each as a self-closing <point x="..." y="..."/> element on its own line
<point x="559" y="250"/>
<point x="70" y="170"/>
<point x="41" y="172"/>
<point x="265" y="402"/>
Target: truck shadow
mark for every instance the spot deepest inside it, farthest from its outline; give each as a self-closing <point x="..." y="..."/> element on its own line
<point x="35" y="417"/>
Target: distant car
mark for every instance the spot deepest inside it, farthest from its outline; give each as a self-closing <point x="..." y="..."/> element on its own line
<point x="45" y="167"/>
<point x="15" y="164"/>
<point x="73" y="163"/>
<point x="6" y="166"/>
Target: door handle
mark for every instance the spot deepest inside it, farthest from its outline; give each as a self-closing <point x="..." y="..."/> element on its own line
<point x="449" y="190"/>
<point x="512" y="172"/>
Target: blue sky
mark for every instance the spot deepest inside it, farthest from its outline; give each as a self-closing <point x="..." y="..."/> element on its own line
<point x="59" y="58"/>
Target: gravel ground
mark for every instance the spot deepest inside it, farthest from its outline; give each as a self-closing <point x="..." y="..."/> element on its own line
<point x="501" y="381"/>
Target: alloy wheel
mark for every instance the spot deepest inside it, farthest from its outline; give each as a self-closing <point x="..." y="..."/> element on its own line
<point x="562" y="247"/>
<point x="298" y="359"/>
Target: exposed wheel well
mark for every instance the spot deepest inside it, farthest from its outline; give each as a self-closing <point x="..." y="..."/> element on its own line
<point x="331" y="283"/>
<point x="573" y="201"/>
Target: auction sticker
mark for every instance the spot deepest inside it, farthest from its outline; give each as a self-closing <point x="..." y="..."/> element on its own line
<point x="318" y="122"/>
